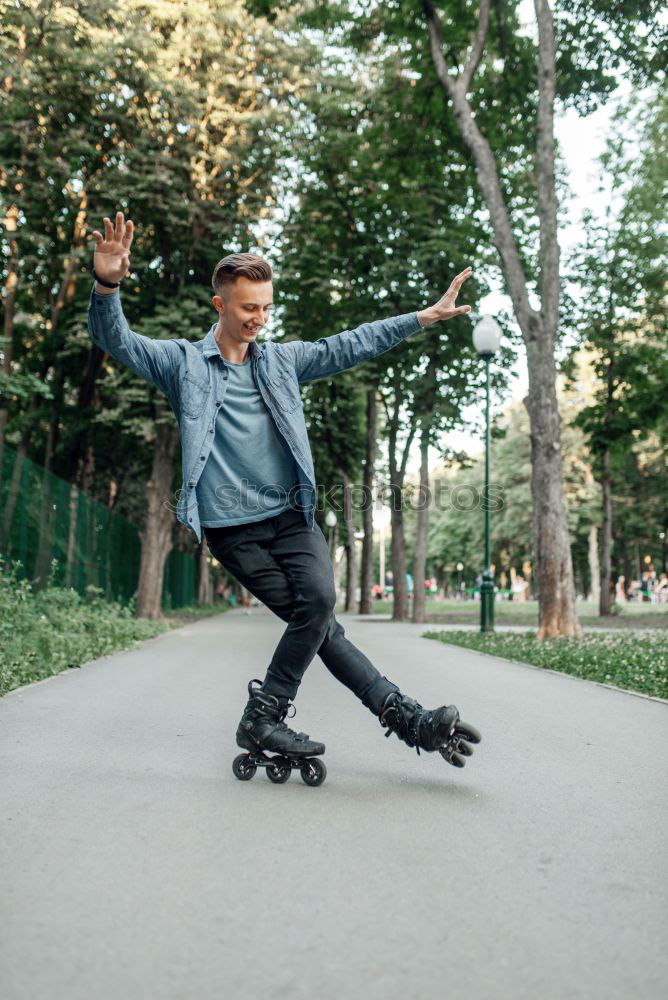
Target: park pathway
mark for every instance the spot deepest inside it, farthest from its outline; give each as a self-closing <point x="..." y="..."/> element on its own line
<point x="136" y="867"/>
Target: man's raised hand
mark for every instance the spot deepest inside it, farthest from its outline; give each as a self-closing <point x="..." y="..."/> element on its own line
<point x="111" y="259"/>
<point x="446" y="306"/>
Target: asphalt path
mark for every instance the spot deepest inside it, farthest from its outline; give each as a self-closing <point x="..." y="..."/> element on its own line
<point x="136" y="867"/>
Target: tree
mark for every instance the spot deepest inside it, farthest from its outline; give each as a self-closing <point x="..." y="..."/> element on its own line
<point x="502" y="92"/>
<point x="553" y="565"/>
<point x="621" y="269"/>
<point x="159" y="114"/>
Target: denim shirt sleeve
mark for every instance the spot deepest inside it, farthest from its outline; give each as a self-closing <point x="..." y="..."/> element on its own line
<point x="329" y="355"/>
<point x="154" y="360"/>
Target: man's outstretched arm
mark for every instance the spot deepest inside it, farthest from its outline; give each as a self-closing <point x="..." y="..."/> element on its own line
<point x="154" y="360"/>
<point x="329" y="355"/>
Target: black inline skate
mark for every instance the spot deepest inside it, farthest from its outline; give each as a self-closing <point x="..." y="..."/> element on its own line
<point x="262" y="728"/>
<point x="440" y="729"/>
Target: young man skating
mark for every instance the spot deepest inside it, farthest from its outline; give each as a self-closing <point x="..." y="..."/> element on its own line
<point x="249" y="485"/>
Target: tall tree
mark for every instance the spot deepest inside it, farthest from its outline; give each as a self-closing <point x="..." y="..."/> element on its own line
<point x="621" y="269"/>
<point x="553" y="564"/>
<point x="366" y="575"/>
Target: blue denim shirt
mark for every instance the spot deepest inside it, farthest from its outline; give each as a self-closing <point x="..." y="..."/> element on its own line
<point x="193" y="377"/>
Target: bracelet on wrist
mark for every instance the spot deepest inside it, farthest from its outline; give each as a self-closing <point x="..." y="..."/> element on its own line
<point x="105" y="284"/>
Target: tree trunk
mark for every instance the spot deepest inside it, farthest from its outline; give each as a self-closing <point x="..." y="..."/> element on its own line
<point x="47" y="515"/>
<point x="204" y="582"/>
<point x="156" y="538"/>
<point x="9" y="304"/>
<point x="553" y="562"/>
<point x="351" y="556"/>
<point x="72" y="535"/>
<point x="398" y="540"/>
<point x="90" y="541"/>
<point x="420" y="550"/>
<point x="28" y="426"/>
<point x="87" y="396"/>
<point x="606" y="537"/>
<point x="12" y="494"/>
<point x="351" y="577"/>
<point x="553" y="568"/>
<point x="398" y="558"/>
<point x="594" y="565"/>
<point x="627" y="570"/>
<point x="427" y="401"/>
<point x="46" y="528"/>
<point x="366" y="580"/>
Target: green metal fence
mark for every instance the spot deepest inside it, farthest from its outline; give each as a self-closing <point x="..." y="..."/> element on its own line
<point x="43" y="517"/>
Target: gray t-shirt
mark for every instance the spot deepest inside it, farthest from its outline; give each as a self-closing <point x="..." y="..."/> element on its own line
<point x="249" y="472"/>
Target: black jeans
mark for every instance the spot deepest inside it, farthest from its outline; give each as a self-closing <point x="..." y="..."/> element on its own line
<point x="287" y="567"/>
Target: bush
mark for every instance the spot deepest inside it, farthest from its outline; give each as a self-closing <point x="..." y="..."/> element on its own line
<point x="56" y="628"/>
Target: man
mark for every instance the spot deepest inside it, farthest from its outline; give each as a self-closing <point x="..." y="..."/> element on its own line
<point x="249" y="483"/>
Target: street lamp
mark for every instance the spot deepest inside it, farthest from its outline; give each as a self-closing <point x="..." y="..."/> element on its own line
<point x="486" y="340"/>
<point x="460" y="568"/>
<point x="330" y="521"/>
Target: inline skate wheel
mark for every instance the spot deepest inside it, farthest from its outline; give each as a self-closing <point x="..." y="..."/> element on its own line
<point x="313" y="772"/>
<point x="469" y="732"/>
<point x="278" y="772"/>
<point x="448" y="753"/>
<point x="242" y="767"/>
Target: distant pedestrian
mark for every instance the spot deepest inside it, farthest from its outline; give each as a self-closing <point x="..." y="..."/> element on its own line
<point x="661" y="591"/>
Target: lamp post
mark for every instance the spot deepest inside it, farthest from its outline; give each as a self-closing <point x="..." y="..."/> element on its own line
<point x="460" y="569"/>
<point x="486" y="340"/>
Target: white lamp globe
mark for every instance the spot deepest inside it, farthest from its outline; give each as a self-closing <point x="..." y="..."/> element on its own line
<point x="330" y="518"/>
<point x="487" y="337"/>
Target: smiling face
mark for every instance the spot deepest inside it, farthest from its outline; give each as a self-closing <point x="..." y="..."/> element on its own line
<point x="243" y="309"/>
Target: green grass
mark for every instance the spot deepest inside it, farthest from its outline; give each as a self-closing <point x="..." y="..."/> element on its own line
<point x="628" y="616"/>
<point x="44" y="633"/>
<point x="637" y="661"/>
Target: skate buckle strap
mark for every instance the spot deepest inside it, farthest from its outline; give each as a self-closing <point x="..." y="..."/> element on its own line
<point x="395" y="719"/>
<point x="284" y="713"/>
<point x="414" y="726"/>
